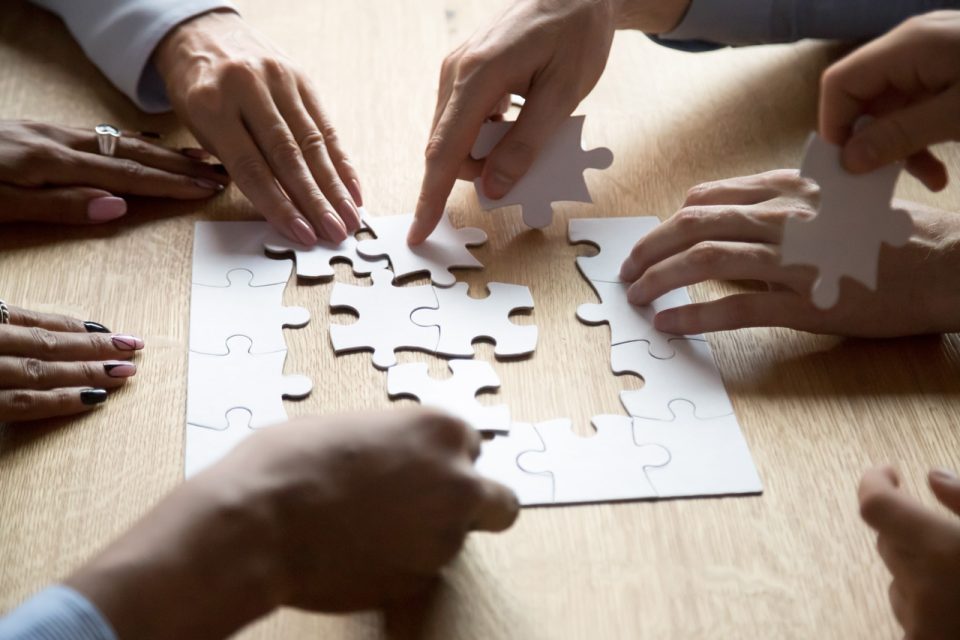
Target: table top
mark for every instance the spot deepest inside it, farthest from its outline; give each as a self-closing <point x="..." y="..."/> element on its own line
<point x="815" y="410"/>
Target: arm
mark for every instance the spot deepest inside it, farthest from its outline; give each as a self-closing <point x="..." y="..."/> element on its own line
<point x="54" y="613"/>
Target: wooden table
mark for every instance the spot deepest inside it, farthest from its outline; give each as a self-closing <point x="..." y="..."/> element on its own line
<point x="794" y="563"/>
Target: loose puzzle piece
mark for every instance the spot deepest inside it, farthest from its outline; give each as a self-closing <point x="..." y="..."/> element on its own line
<point x="498" y="461"/>
<point x="316" y="261"/>
<point x="255" y="312"/>
<point x="218" y="384"/>
<point x="607" y="466"/>
<point x="206" y="446"/>
<point x="629" y="323"/>
<point x="615" y="237"/>
<point x="456" y="395"/>
<point x="462" y="319"/>
<point x="853" y="220"/>
<point x="384" y="325"/>
<point x="555" y="176"/>
<point x="445" y="249"/>
<point x="222" y="247"/>
<point x="707" y="457"/>
<point x="690" y="375"/>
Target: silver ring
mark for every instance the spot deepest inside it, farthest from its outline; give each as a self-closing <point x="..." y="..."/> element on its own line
<point x="4" y="313"/>
<point x="107" y="138"/>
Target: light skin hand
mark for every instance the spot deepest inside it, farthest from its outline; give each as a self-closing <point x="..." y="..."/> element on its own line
<point x="909" y="80"/>
<point x="53" y="365"/>
<point x="54" y="174"/>
<point x="920" y="547"/>
<point x="333" y="514"/>
<point x="552" y="52"/>
<point x="732" y="229"/>
<point x="248" y="104"/>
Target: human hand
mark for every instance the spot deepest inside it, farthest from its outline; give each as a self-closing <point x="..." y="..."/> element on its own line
<point x="909" y="80"/>
<point x="732" y="229"/>
<point x="51" y="173"/>
<point x="52" y="365"/>
<point x="330" y="514"/>
<point x="920" y="547"/>
<point x="552" y="52"/>
<point x="249" y="105"/>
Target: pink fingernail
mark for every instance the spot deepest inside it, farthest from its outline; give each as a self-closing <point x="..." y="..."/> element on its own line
<point x="203" y="183"/>
<point x="195" y="153"/>
<point x="334" y="227"/>
<point x="120" y="369"/>
<point x="127" y="343"/>
<point x="354" y="188"/>
<point x="106" y="208"/>
<point x="349" y="213"/>
<point x="303" y="232"/>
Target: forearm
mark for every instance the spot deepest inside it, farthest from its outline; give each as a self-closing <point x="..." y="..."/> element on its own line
<point x="650" y="16"/>
<point x="197" y="566"/>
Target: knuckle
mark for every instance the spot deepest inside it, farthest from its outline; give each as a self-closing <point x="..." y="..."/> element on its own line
<point x="285" y="151"/>
<point x="435" y="150"/>
<point x="33" y="370"/>
<point x="688" y="219"/>
<point x="248" y="170"/>
<point x="204" y="98"/>
<point x="22" y="401"/>
<point x="90" y="371"/>
<point x="313" y="142"/>
<point x="130" y="169"/>
<point x="471" y="62"/>
<point x="45" y="341"/>
<point x="240" y="73"/>
<point x="706" y="254"/>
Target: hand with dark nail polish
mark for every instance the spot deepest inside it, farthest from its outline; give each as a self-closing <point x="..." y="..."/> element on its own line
<point x="91" y="397"/>
<point x="95" y="327"/>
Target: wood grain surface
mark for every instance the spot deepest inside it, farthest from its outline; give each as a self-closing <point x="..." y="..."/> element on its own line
<point x="816" y="411"/>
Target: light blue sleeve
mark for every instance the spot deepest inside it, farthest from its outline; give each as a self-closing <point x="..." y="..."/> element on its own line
<point x="119" y="36"/>
<point x="741" y="22"/>
<point x="56" y="613"/>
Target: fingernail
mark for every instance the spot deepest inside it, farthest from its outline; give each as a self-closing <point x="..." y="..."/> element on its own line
<point x="195" y="153"/>
<point x="120" y="369"/>
<point x="945" y="475"/>
<point x="498" y="185"/>
<point x="303" y="232"/>
<point x="349" y="212"/>
<point x="91" y="397"/>
<point x="860" y="156"/>
<point x="334" y="228"/>
<point x="627" y="270"/>
<point x="203" y="183"/>
<point x="666" y="322"/>
<point x="635" y="294"/>
<point x="106" y="208"/>
<point x="127" y="343"/>
<point x="413" y="236"/>
<point x="150" y="134"/>
<point x="95" y="327"/>
<point x="219" y="168"/>
<point x="354" y="187"/>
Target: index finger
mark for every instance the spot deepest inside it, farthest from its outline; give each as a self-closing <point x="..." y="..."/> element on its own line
<point x="893" y="513"/>
<point x="497" y="509"/>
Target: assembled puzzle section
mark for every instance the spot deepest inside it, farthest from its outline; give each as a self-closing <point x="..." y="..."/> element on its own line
<point x="317" y="262"/>
<point x="222" y="247"/>
<point x="555" y="176"/>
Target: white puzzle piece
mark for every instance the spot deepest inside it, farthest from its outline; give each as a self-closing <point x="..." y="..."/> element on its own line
<point x="498" y="461"/>
<point x="463" y="319"/>
<point x="690" y="375"/>
<point x="206" y="446"/>
<point x="384" y="325"/>
<point x="218" y="384"/>
<point x="707" y="457"/>
<point x="607" y="466"/>
<point x="555" y="176"/>
<point x="222" y="247"/>
<point x="614" y="237"/>
<point x="630" y="323"/>
<point x="258" y="313"/>
<point x="456" y="395"/>
<point x="854" y="218"/>
<point x="445" y="249"/>
<point x="316" y="261"/>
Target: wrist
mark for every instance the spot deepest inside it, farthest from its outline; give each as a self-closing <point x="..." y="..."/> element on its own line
<point x="650" y="16"/>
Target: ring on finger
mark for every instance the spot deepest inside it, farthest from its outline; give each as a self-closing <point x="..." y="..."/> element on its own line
<point x="107" y="138"/>
<point x="4" y="313"/>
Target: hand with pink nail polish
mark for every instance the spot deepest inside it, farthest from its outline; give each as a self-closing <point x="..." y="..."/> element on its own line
<point x="252" y="107"/>
<point x="53" y="365"/>
<point x="54" y="174"/>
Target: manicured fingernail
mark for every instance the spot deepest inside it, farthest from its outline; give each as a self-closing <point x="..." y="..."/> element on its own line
<point x="95" y="327"/>
<point x="127" y="343"/>
<point x="195" y="153"/>
<point x="349" y="215"/>
<point x="498" y="185"/>
<point x="334" y="227"/>
<point x="106" y="208"/>
<point x="303" y="232"/>
<point x="219" y="168"/>
<point x="91" y="397"/>
<point x="150" y="134"/>
<point x="120" y="369"/>
<point x="354" y="187"/>
<point x="945" y="475"/>
<point x="203" y="183"/>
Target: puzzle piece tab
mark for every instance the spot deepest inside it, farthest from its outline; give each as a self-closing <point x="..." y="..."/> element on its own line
<point x="555" y="176"/>
<point x="222" y="247"/>
<point x="384" y="325"/>
<point x="462" y="319"/>
<point x="498" y="461"/>
<point x="317" y="261"/>
<point x="456" y="395"/>
<point x="615" y="237"/>
<point x="854" y="218"/>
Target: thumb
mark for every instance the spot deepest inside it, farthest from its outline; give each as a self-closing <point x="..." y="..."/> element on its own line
<point x="946" y="486"/>
<point x="62" y="205"/>
<point x="903" y="133"/>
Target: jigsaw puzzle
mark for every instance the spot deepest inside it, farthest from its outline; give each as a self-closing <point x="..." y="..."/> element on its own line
<point x="456" y="395"/>
<point x="555" y="176"/>
<point x="614" y="237"/>
<point x="462" y="320"/>
<point x="317" y="261"/>
<point x="854" y="218"/>
<point x="498" y="461"/>
<point x="205" y="446"/>
<point x="218" y="384"/>
<point x="256" y="312"/>
<point x="384" y="325"/>
<point x="222" y="247"/>
<point x="689" y="375"/>
<point x="445" y="249"/>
